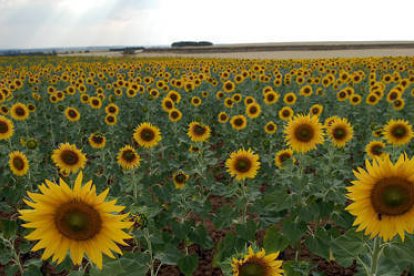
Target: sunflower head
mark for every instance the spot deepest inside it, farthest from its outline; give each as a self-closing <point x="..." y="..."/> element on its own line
<point x="76" y="220"/>
<point x="257" y="264"/>
<point x="69" y="158"/>
<point x="97" y="140"/>
<point x="383" y="197"/>
<point x="198" y="132"/>
<point x="243" y="164"/>
<point x="6" y="128"/>
<point x="340" y="132"/>
<point x="18" y="163"/>
<point x="282" y="156"/>
<point x="128" y="158"/>
<point x="304" y="133"/>
<point x="375" y="149"/>
<point x="147" y="135"/>
<point x="398" y="132"/>
<point x="179" y="179"/>
<point x="238" y="122"/>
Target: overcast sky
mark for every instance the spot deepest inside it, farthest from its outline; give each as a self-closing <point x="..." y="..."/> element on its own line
<point x="66" y="23"/>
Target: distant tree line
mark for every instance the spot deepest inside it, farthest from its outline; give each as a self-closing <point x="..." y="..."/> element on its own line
<point x="191" y="44"/>
<point x="24" y="53"/>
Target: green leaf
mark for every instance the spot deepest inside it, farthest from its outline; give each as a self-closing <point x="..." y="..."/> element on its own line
<point x="294" y="231"/>
<point x="292" y="268"/>
<point x="346" y="247"/>
<point x="319" y="244"/>
<point x="247" y="231"/>
<point x="200" y="236"/>
<point x="274" y="240"/>
<point x="188" y="264"/>
<point x="170" y="255"/>
<point x="8" y="228"/>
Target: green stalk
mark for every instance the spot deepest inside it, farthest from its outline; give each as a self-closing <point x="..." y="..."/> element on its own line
<point x="376" y="253"/>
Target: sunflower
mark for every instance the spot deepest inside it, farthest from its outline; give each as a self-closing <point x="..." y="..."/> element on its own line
<point x="253" y="110"/>
<point x="282" y="156"/>
<point x="286" y="113"/>
<point x="372" y="99"/>
<point x="271" y="98"/>
<point x="270" y="127"/>
<point x="306" y="91"/>
<point x="198" y="132"/>
<point x="290" y="98"/>
<point x="229" y="86"/>
<point x="304" y="133"/>
<point x="111" y="120"/>
<point x="355" y="99"/>
<point x="97" y="140"/>
<point x="398" y="104"/>
<point x="238" y="122"/>
<point x="174" y="96"/>
<point x="383" y="197"/>
<point x="167" y="104"/>
<point x="243" y="164"/>
<point x="250" y="99"/>
<point x="375" y="149"/>
<point x="6" y="128"/>
<point x="147" y="135"/>
<point x="196" y="101"/>
<point x="128" y="158"/>
<point x="95" y="102"/>
<point x="72" y="114"/>
<point x="398" y="132"/>
<point x="316" y="109"/>
<point x="179" y="179"/>
<point x="19" y="112"/>
<point x="69" y="158"/>
<point x="175" y="115"/>
<point x="222" y="117"/>
<point x="255" y="264"/>
<point x="18" y="163"/>
<point x="75" y="219"/>
<point x="340" y="132"/>
<point x="112" y="109"/>
<point x="237" y="97"/>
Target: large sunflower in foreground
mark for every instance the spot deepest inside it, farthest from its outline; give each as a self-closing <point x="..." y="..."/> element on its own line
<point x="69" y="158"/>
<point x="198" y="132"/>
<point x="257" y="264"/>
<point x="398" y="132"/>
<point x="147" y="135"/>
<point x="243" y="164"/>
<point x="75" y="219"/>
<point x="304" y="133"/>
<point x="6" y="128"/>
<point x="383" y="197"/>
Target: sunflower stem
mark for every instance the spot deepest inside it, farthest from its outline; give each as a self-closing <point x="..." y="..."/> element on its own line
<point x="245" y="201"/>
<point x="376" y="253"/>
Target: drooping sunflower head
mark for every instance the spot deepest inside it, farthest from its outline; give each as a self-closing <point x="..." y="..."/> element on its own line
<point x="243" y="164"/>
<point x="282" y="156"/>
<point x="6" y="128"/>
<point x="75" y="219"/>
<point x="304" y="133"/>
<point x="147" y="135"/>
<point x="398" y="132"/>
<point x="383" y="197"/>
<point x="375" y="149"/>
<point x="257" y="264"/>
<point x="97" y="140"/>
<point x="128" y="158"/>
<point x="198" y="132"/>
<point x="238" y="122"/>
<point x="179" y="179"/>
<point x="18" y="163"/>
<point x="340" y="132"/>
<point x="69" y="158"/>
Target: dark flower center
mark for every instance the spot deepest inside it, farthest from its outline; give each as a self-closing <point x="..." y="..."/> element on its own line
<point x="98" y="139"/>
<point x="78" y="221"/>
<point x="112" y="109"/>
<point x="147" y="134"/>
<point x="238" y="122"/>
<point x="4" y="127"/>
<point x="69" y="157"/>
<point x="72" y="113"/>
<point x="377" y="150"/>
<point x="111" y="119"/>
<point x="284" y="156"/>
<point x="253" y="110"/>
<point x="18" y="163"/>
<point x="199" y="130"/>
<point x="252" y="269"/>
<point x="129" y="155"/>
<point x="174" y="115"/>
<point x="392" y="196"/>
<point x="399" y="131"/>
<point x="243" y="164"/>
<point x="304" y="133"/>
<point x="180" y="178"/>
<point x="229" y="86"/>
<point x="20" y="111"/>
<point x="339" y="133"/>
<point x="286" y="113"/>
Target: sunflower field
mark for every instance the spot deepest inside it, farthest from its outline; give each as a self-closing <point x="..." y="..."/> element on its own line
<point x="179" y="166"/>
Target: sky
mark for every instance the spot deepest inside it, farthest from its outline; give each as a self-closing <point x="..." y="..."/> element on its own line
<point x="77" y="23"/>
